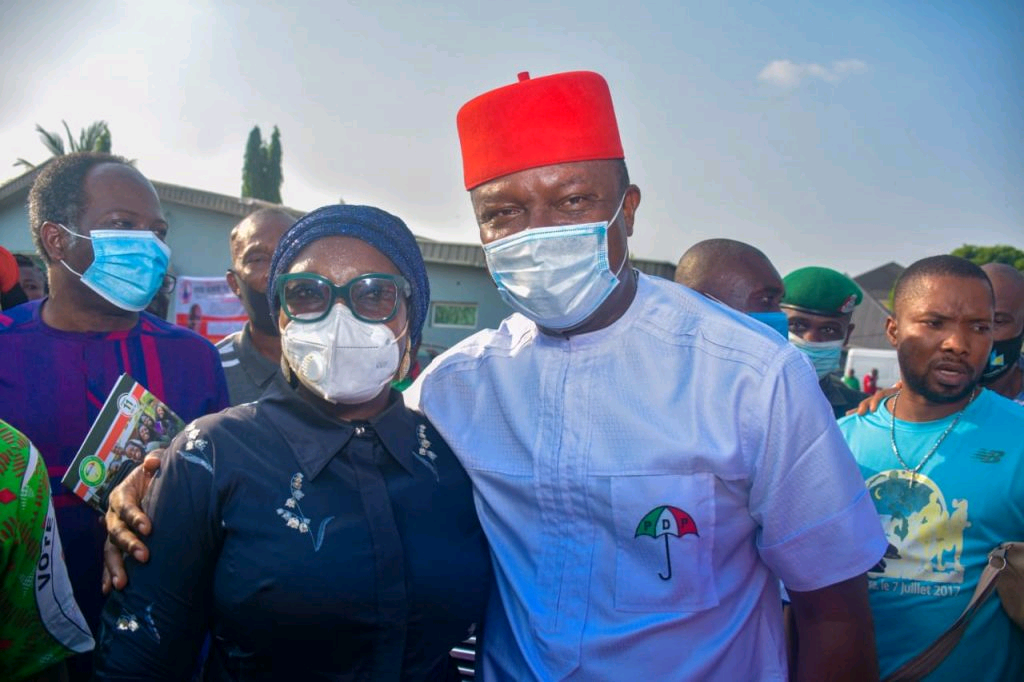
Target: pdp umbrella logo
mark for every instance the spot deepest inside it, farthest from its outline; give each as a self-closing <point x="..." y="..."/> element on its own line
<point x="665" y="521"/>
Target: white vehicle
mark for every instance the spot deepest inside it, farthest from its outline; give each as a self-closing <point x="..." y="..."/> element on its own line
<point x="863" y="360"/>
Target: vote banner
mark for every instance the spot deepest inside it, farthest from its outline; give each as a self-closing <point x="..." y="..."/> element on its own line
<point x="207" y="306"/>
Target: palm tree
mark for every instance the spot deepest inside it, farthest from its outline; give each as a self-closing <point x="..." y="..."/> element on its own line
<point x="95" y="138"/>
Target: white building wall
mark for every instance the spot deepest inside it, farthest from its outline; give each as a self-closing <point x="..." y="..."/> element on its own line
<point x="462" y="284"/>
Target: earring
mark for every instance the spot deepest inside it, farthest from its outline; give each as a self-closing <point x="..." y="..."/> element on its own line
<point x="406" y="363"/>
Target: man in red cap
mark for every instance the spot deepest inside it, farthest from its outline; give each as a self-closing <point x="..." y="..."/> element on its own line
<point x="639" y="525"/>
<point x="644" y="464"/>
<point x="11" y="293"/>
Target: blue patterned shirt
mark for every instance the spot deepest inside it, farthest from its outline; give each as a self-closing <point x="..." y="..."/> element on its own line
<point x="52" y="386"/>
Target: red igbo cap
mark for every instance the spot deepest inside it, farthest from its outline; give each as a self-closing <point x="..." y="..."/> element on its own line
<point x="537" y="122"/>
<point x="9" y="272"/>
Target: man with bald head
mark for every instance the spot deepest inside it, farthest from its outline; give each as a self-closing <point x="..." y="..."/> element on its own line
<point x="738" y="275"/>
<point x="1004" y="373"/>
<point x="98" y="225"/>
<point x="251" y="357"/>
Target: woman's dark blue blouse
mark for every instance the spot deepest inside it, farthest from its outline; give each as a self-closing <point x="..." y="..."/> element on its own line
<point x="309" y="548"/>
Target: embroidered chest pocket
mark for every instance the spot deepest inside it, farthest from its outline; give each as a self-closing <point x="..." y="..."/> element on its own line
<point x="665" y="534"/>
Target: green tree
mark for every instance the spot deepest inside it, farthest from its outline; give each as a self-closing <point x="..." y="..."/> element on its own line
<point x="274" y="176"/>
<point x="252" y="166"/>
<point x="261" y="167"/>
<point x="95" y="138"/>
<point x="103" y="141"/>
<point x="1000" y="253"/>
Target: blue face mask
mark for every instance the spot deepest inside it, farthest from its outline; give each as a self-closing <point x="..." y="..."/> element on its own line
<point x="824" y="355"/>
<point x="777" y="321"/>
<point x="128" y="266"/>
<point x="556" y="276"/>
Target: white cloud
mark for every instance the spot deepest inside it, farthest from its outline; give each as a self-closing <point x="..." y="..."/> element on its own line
<point x="787" y="74"/>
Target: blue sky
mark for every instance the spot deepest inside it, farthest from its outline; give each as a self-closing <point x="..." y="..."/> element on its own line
<point x="835" y="134"/>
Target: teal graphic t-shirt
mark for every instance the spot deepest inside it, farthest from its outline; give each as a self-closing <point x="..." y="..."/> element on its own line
<point x="941" y="523"/>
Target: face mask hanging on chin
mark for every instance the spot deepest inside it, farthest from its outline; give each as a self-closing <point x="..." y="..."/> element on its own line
<point x="556" y="276"/>
<point x="128" y="266"/>
<point x="824" y="355"/>
<point x="1004" y="357"/>
<point x="257" y="307"/>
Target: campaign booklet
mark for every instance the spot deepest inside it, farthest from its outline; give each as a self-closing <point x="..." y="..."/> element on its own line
<point x="132" y="423"/>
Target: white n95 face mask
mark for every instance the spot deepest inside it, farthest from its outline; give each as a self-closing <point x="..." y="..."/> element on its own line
<point x="340" y="358"/>
<point x="556" y="276"/>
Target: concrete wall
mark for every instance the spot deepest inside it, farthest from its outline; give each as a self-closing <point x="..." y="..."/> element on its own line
<point x="14" y="233"/>
<point x="198" y="240"/>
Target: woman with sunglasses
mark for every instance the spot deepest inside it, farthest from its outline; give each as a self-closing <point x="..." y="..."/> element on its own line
<point x="324" y="531"/>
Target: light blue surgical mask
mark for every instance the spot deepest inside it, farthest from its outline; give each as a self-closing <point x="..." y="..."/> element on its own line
<point x="556" y="276"/>
<point x="777" y="321"/>
<point x="824" y="355"/>
<point x="128" y="266"/>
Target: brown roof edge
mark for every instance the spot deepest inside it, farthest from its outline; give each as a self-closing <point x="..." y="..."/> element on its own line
<point x="212" y="201"/>
<point x="20" y="183"/>
<point x="187" y="196"/>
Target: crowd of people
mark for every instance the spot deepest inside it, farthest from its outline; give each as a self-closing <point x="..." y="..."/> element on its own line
<point x="629" y="478"/>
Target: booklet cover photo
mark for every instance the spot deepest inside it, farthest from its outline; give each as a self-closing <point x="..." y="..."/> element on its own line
<point x="132" y="423"/>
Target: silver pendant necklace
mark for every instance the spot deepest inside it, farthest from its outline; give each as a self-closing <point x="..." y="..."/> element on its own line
<point x="892" y="436"/>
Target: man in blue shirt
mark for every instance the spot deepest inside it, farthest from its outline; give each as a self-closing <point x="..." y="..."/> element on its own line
<point x="943" y="459"/>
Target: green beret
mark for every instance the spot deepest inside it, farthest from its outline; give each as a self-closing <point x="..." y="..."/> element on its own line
<point x="821" y="291"/>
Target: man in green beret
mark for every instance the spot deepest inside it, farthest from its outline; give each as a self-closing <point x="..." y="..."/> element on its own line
<point x="819" y="303"/>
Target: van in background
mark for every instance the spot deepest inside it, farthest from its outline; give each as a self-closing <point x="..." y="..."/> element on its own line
<point x="863" y="360"/>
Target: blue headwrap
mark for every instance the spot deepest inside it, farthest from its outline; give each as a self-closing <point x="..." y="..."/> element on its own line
<point x="379" y="229"/>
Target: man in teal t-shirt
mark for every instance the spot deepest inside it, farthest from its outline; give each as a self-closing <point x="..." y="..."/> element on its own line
<point x="946" y="476"/>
